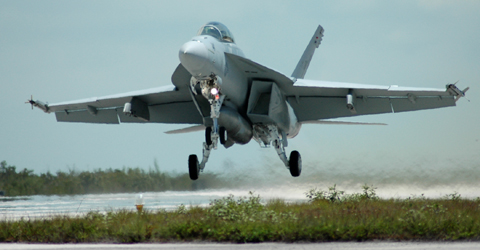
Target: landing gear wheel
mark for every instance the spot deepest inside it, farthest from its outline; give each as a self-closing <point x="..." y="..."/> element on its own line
<point x="223" y="135"/>
<point x="193" y="168"/>
<point x="208" y="136"/>
<point x="295" y="163"/>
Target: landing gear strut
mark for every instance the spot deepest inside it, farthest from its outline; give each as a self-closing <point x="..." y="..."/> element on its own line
<point x="269" y="134"/>
<point x="210" y="89"/>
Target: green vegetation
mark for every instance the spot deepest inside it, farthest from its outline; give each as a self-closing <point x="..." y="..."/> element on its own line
<point x="25" y="182"/>
<point x="328" y="216"/>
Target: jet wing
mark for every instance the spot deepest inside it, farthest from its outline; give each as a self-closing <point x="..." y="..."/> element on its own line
<point x="314" y="100"/>
<point x="168" y="104"/>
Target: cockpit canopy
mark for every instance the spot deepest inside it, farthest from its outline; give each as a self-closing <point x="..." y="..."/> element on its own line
<point x="218" y="31"/>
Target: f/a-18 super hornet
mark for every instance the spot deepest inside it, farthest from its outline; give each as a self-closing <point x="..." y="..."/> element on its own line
<point x="234" y="99"/>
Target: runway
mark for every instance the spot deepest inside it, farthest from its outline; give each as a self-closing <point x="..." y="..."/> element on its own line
<point x="261" y="246"/>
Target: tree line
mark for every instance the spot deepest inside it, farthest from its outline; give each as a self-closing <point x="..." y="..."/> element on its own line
<point x="15" y="182"/>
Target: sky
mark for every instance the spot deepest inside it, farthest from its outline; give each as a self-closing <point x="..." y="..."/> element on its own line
<point x="67" y="50"/>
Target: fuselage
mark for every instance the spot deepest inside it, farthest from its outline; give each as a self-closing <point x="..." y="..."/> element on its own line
<point x="204" y="57"/>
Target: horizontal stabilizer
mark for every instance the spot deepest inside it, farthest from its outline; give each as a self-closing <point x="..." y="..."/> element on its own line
<point x="342" y="123"/>
<point x="304" y="62"/>
<point x="186" y="130"/>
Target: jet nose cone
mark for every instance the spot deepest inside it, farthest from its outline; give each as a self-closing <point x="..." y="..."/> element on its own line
<point x="193" y="55"/>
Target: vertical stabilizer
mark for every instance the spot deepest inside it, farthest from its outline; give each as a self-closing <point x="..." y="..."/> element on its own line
<point x="304" y="62"/>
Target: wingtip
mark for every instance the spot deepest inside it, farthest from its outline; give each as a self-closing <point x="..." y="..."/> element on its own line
<point x="41" y="105"/>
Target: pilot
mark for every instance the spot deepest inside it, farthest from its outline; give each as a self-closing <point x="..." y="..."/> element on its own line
<point x="226" y="37"/>
<point x="211" y="32"/>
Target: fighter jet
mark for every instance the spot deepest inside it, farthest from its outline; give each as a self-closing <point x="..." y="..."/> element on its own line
<point x="234" y="99"/>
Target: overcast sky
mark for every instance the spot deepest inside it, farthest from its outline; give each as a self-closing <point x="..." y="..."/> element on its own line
<point x="67" y="50"/>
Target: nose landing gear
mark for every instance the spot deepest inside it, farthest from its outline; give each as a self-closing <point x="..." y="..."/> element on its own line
<point x="210" y="89"/>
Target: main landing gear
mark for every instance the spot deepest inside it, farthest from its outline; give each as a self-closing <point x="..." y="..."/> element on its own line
<point x="268" y="134"/>
<point x="295" y="163"/>
<point x="211" y="91"/>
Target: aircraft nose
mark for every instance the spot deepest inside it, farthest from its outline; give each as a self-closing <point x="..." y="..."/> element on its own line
<point x="193" y="55"/>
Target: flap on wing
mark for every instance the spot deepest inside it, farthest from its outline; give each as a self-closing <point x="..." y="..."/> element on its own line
<point x="316" y="108"/>
<point x="151" y="96"/>
<point x="325" y="88"/>
<point x="102" y="116"/>
<point x="181" y="112"/>
<point x="405" y="104"/>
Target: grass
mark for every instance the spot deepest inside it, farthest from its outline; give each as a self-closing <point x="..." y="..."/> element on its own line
<point x="328" y="216"/>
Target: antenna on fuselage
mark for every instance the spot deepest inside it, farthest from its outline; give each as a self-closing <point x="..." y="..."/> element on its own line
<point x="304" y="62"/>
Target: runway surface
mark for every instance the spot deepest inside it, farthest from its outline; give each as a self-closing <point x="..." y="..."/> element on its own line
<point x="262" y="246"/>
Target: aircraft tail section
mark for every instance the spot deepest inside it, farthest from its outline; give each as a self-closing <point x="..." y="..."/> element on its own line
<point x="304" y="62"/>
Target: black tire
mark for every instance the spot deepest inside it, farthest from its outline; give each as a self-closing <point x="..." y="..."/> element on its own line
<point x="295" y="163"/>
<point x="208" y="136"/>
<point x="223" y="135"/>
<point x="193" y="167"/>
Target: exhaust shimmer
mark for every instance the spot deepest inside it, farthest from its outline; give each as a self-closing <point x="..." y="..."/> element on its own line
<point x="398" y="178"/>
